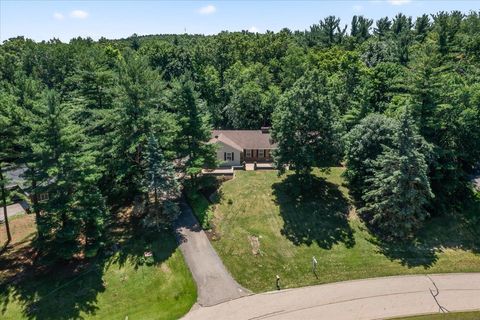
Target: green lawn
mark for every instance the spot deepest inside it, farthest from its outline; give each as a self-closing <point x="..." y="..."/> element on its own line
<point x="120" y="286"/>
<point x="201" y="208"/>
<point x="268" y="225"/>
<point x="475" y="315"/>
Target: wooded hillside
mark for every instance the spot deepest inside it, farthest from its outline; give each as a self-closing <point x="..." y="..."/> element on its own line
<point x="82" y="113"/>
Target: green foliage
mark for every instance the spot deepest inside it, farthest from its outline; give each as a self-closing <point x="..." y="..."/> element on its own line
<point x="9" y="130"/>
<point x="305" y="126"/>
<point x="360" y="28"/>
<point x="309" y="85"/>
<point x="140" y="109"/>
<point x="75" y="206"/>
<point x="252" y="96"/>
<point x="195" y="129"/>
<point x="345" y="249"/>
<point x="161" y="181"/>
<point x="124" y="284"/>
<point x="363" y="144"/>
<point x="201" y="207"/>
<point x="399" y="190"/>
<point x="327" y="33"/>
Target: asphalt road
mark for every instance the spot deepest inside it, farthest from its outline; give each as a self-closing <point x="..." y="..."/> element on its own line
<point x="214" y="283"/>
<point x="368" y="299"/>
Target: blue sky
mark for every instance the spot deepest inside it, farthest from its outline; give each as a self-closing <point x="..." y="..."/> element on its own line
<point x="43" y="20"/>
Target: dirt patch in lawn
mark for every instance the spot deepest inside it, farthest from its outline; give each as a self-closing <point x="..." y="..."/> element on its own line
<point x="212" y="235"/>
<point x="255" y="243"/>
<point x="18" y="254"/>
<point x="21" y="227"/>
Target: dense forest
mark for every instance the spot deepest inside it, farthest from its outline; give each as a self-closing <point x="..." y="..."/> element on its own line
<point x="101" y="123"/>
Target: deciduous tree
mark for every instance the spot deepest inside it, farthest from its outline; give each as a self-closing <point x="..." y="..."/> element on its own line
<point x="305" y="126"/>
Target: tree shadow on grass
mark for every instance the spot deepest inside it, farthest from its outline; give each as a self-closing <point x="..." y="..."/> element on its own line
<point x="50" y="290"/>
<point x="129" y="242"/>
<point x="412" y="253"/>
<point x="313" y="211"/>
<point x="66" y="291"/>
<point x="459" y="232"/>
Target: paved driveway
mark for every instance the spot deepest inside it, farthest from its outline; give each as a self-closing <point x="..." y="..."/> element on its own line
<point x="214" y="283"/>
<point x="13" y="210"/>
<point x="376" y="298"/>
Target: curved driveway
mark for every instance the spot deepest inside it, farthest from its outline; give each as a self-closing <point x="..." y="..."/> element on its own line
<point x="376" y="298"/>
<point x="214" y="282"/>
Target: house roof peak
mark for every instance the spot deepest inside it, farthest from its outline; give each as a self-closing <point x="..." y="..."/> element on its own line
<point x="245" y="139"/>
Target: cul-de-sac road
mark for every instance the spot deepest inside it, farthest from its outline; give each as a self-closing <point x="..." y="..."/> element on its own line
<point x="221" y="297"/>
<point x="377" y="298"/>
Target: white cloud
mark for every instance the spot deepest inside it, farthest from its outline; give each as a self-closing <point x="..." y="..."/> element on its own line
<point x="58" y="16"/>
<point x="207" y="9"/>
<point x="399" y="2"/>
<point x="357" y="8"/>
<point x="78" y="14"/>
<point x="253" y="29"/>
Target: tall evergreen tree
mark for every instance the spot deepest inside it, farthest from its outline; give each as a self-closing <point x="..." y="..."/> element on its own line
<point x="141" y="100"/>
<point x="327" y="33"/>
<point x="160" y="180"/>
<point x="75" y="207"/>
<point x="9" y="131"/>
<point x="363" y="145"/>
<point x="32" y="103"/>
<point x="195" y="129"/>
<point x="399" y="191"/>
<point x="360" y="28"/>
<point x="422" y="26"/>
<point x="382" y="27"/>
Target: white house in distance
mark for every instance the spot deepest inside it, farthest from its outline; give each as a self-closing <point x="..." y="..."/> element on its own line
<point x="238" y="146"/>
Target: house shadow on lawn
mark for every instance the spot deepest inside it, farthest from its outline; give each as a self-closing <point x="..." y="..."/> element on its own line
<point x="313" y="212"/>
<point x="66" y="290"/>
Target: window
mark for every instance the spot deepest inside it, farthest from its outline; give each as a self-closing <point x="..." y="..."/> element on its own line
<point x="228" y="156"/>
<point x="261" y="153"/>
<point x="248" y="153"/>
<point x="43" y="196"/>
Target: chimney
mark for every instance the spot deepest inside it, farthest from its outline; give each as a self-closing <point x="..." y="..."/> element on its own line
<point x="265" y="129"/>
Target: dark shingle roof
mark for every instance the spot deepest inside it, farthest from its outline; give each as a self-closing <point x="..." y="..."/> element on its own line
<point x="15" y="177"/>
<point x="244" y="139"/>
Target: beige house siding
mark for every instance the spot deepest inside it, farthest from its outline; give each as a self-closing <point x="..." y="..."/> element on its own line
<point x="222" y="148"/>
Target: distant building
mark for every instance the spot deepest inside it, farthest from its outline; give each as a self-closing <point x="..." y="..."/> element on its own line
<point x="16" y="181"/>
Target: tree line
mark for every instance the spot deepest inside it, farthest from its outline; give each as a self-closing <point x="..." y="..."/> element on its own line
<point x="98" y="123"/>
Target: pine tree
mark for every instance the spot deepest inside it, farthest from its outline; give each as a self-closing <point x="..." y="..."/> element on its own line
<point x="383" y="27"/>
<point x="75" y="209"/>
<point x="140" y="101"/>
<point x="160" y="180"/>
<point x="9" y="133"/>
<point x="399" y="190"/>
<point x="363" y="144"/>
<point x="195" y="129"/>
<point x="34" y="108"/>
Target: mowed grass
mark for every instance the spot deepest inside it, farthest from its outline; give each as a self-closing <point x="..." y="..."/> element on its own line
<point x="475" y="315"/>
<point x="269" y="225"/>
<point x="121" y="286"/>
